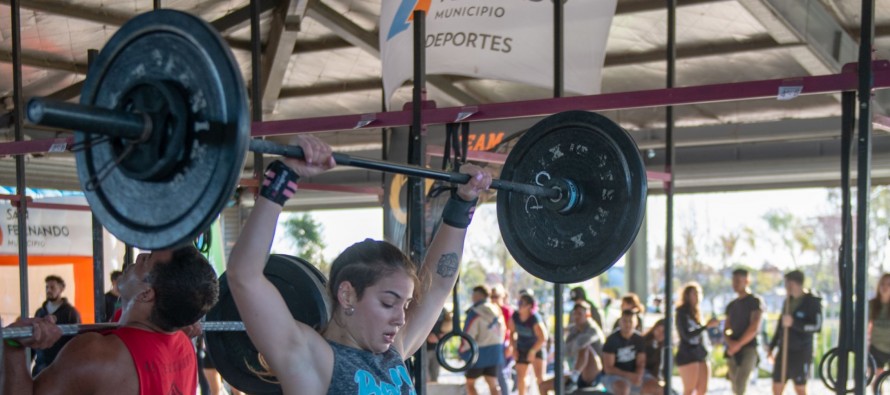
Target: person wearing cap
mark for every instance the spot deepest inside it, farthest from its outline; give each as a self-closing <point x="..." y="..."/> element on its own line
<point x="802" y="316"/>
<point x="578" y="294"/>
<point x="743" y="316"/>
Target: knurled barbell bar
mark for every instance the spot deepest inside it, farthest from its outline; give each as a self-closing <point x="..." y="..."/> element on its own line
<point x="161" y="133"/>
<point x="137" y="127"/>
<point x="22" y="332"/>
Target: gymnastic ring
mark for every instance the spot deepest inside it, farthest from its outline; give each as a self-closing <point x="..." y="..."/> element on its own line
<point x="474" y="351"/>
<point x="828" y="377"/>
<point x="880" y="381"/>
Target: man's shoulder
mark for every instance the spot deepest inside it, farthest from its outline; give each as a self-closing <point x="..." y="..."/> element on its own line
<point x="812" y="299"/>
<point x="747" y="300"/>
<point x="94" y="350"/>
<point x="96" y="341"/>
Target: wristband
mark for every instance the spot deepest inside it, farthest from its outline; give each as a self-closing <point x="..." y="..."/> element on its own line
<point x="12" y="343"/>
<point x="458" y="212"/>
<point x="280" y="183"/>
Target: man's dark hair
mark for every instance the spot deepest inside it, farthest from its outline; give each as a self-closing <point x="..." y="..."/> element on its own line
<point x="482" y="290"/>
<point x="53" y="277"/>
<point x="795" y="275"/>
<point x="116" y="275"/>
<point x="185" y="288"/>
<point x="740" y="272"/>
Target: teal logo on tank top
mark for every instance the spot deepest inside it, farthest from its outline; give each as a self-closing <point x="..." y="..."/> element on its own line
<point x="399" y="377"/>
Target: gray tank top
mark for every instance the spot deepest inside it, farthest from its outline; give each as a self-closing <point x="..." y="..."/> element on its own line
<point x="359" y="372"/>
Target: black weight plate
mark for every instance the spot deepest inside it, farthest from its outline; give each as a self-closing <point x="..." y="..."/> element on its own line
<point x="602" y="159"/>
<point x="177" y="48"/>
<point x="303" y="288"/>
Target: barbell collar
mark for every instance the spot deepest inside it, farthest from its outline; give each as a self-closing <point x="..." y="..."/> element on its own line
<point x="21" y="332"/>
<point x="293" y="151"/>
<point x="89" y="119"/>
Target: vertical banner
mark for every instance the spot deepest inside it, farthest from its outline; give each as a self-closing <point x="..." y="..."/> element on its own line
<point x="395" y="207"/>
<point x="395" y="196"/>
<point x="499" y="39"/>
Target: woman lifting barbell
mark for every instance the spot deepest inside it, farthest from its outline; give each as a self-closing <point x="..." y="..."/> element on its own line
<point x="376" y="321"/>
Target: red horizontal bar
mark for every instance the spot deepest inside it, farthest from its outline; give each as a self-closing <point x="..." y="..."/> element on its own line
<point x="15" y="198"/>
<point x="36" y="146"/>
<point x="377" y="191"/>
<point x="479" y="156"/>
<point x="658" y="175"/>
<point x="810" y="85"/>
<point x="55" y="206"/>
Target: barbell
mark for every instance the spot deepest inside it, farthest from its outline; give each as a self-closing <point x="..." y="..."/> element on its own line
<point x="161" y="132"/>
<point x="21" y="332"/>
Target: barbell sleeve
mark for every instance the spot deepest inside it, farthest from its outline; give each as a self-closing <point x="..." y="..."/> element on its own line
<point x="21" y="332"/>
<point x="293" y="151"/>
<point x="90" y="119"/>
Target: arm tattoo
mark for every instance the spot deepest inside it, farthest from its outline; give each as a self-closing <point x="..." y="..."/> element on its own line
<point x="447" y="265"/>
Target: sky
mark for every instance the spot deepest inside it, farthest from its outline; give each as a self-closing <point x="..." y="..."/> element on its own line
<point x="708" y="213"/>
<point x="718" y="213"/>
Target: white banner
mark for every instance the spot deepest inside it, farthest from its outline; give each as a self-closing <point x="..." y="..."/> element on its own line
<point x="499" y="39"/>
<point x="50" y="232"/>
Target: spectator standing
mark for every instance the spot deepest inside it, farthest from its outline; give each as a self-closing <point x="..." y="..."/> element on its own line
<point x="58" y="306"/>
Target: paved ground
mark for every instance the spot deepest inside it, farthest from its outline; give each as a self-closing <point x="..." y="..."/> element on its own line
<point x="453" y="383"/>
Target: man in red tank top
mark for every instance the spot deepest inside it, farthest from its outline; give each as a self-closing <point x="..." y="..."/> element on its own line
<point x="148" y="354"/>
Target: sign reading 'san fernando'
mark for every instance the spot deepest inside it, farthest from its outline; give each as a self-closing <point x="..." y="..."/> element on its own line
<point x="49" y="232"/>
<point x="499" y="39"/>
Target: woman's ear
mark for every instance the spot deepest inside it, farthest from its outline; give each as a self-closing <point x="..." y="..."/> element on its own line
<point x="346" y="294"/>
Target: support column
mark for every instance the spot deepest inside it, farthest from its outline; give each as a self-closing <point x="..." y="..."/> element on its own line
<point x="636" y="266"/>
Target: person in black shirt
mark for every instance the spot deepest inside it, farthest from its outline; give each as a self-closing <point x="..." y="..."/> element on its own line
<point x="692" y="355"/>
<point x="654" y="340"/>
<point x="624" y="357"/>
<point x="112" y="297"/>
<point x="65" y="313"/>
<point x="439" y="331"/>
<point x="742" y="324"/>
<point x="804" y="320"/>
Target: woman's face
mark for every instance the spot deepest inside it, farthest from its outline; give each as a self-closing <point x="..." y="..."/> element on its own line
<point x="693" y="296"/>
<point x="523" y="306"/>
<point x="380" y="314"/>
<point x="659" y="333"/>
<point x="884" y="286"/>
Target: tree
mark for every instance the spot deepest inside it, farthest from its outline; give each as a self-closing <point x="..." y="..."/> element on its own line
<point x="793" y="234"/>
<point x="307" y="236"/>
